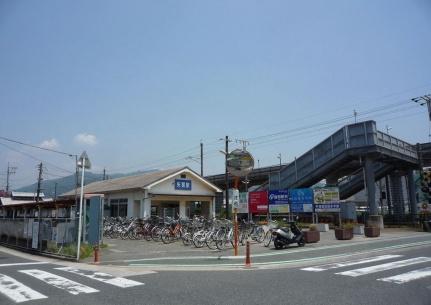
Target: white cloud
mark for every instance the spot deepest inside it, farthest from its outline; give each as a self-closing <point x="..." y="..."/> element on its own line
<point x="86" y="138"/>
<point x="50" y="144"/>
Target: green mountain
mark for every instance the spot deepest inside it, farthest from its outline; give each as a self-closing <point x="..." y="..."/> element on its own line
<point x="62" y="185"/>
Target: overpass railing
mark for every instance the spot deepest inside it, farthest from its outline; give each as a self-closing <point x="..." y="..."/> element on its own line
<point x="350" y="136"/>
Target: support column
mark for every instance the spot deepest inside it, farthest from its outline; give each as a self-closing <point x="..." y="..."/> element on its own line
<point x="412" y="194"/>
<point x="371" y="187"/>
<point x="374" y="218"/>
<point x="212" y="208"/>
<point x="182" y="209"/>
<point x="146" y="206"/>
<point x="397" y="195"/>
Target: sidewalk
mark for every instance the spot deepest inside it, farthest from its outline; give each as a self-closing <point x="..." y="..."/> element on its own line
<point x="130" y="252"/>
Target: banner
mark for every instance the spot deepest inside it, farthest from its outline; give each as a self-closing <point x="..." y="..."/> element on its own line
<point x="301" y="208"/>
<point x="326" y="195"/>
<point x="327" y="207"/>
<point x="258" y="202"/>
<point x="278" y="201"/>
<point x="301" y="196"/>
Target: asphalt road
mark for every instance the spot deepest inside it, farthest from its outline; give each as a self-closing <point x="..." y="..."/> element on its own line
<point x="383" y="278"/>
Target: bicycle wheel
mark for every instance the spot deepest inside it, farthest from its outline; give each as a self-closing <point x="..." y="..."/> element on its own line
<point x="211" y="242"/>
<point x="267" y="239"/>
<point x="156" y="233"/>
<point x="166" y="236"/>
<point x="187" y="239"/>
<point x="260" y="235"/>
<point x="199" y="240"/>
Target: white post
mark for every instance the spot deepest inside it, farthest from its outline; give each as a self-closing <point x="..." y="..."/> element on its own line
<point x="80" y="210"/>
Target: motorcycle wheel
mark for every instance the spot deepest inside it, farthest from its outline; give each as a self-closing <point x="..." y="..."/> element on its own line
<point x="278" y="244"/>
<point x="301" y="242"/>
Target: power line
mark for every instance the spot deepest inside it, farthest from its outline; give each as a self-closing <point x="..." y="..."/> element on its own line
<point x="38" y="147"/>
<point x="35" y="158"/>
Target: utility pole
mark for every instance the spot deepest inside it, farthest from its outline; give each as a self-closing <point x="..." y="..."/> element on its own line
<point x="55" y="191"/>
<point x="11" y="170"/>
<point x="202" y="159"/>
<point x="39" y="180"/>
<point x="355" y="114"/>
<point x="226" y="177"/>
<point x="104" y="174"/>
<point x="279" y="171"/>
<point x="422" y="100"/>
<point x="243" y="142"/>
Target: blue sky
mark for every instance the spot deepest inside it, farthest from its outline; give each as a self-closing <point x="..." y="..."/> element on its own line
<point x="138" y="84"/>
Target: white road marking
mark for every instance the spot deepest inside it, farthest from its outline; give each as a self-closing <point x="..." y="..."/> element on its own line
<point x="349" y="263"/>
<point x="17" y="291"/>
<point x="103" y="277"/>
<point x="388" y="266"/>
<point x="59" y="282"/>
<point x="409" y="276"/>
<point x="23" y="264"/>
<point x="117" y="251"/>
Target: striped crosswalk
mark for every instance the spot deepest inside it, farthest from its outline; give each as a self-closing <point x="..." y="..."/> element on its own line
<point x="381" y="266"/>
<point x="19" y="292"/>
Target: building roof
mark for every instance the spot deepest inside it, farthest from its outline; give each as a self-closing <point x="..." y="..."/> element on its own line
<point x="134" y="182"/>
<point x="6" y="201"/>
<point x="27" y="194"/>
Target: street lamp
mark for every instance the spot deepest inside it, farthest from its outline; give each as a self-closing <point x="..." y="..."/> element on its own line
<point x="83" y="163"/>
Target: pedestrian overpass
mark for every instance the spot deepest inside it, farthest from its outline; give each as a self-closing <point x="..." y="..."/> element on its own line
<point x="353" y="154"/>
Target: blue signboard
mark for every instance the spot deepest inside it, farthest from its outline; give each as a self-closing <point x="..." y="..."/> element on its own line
<point x="327" y="207"/>
<point x="301" y="208"/>
<point x="296" y="208"/>
<point x="278" y="201"/>
<point x="183" y="184"/>
<point x="301" y="196"/>
<point x="278" y="197"/>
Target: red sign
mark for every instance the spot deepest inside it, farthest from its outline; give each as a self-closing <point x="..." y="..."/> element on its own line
<point x="258" y="202"/>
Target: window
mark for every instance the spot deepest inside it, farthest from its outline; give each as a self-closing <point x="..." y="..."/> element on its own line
<point x="118" y="207"/>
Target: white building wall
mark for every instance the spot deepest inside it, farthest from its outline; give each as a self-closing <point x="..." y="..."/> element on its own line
<point x="130" y="196"/>
<point x="168" y="187"/>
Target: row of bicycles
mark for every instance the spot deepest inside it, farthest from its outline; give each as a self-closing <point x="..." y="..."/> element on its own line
<point x="198" y="231"/>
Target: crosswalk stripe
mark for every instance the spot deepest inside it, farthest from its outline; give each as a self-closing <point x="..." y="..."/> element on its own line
<point x="408" y="276"/>
<point x="17" y="291"/>
<point x="387" y="266"/>
<point x="23" y="264"/>
<point x="103" y="277"/>
<point x="59" y="282"/>
<point x="350" y="263"/>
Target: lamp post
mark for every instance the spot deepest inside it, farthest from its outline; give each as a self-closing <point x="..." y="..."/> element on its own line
<point x="83" y="163"/>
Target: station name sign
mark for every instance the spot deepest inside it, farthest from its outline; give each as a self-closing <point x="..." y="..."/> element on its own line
<point x="183" y="184"/>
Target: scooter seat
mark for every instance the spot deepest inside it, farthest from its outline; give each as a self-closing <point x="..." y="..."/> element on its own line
<point x="285" y="229"/>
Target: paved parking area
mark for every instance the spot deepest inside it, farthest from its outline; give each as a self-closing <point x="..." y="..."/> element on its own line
<point x="123" y="250"/>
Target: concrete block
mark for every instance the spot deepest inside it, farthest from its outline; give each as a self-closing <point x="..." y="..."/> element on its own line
<point x="358" y="230"/>
<point x="322" y="227"/>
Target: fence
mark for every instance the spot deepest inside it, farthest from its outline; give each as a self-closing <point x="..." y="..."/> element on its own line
<point x="56" y="236"/>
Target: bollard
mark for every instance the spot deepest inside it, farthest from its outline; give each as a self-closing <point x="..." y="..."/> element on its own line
<point x="247" y="254"/>
<point x="96" y="255"/>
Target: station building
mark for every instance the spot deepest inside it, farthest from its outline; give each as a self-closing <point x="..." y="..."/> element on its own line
<point x="172" y="192"/>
